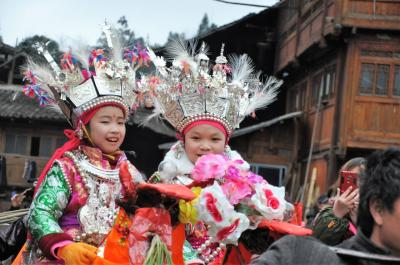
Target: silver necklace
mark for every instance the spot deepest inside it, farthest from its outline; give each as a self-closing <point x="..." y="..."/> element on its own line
<point x="98" y="214"/>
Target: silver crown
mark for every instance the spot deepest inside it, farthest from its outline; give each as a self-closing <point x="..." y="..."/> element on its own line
<point x="86" y="79"/>
<point x="187" y="91"/>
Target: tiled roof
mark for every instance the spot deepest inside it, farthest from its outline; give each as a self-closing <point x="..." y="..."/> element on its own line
<point x="15" y="105"/>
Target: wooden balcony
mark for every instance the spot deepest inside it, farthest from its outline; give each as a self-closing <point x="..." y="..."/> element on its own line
<point x="371" y="14"/>
<point x="304" y="23"/>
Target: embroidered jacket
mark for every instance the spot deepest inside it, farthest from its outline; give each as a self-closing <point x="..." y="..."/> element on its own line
<point x="57" y="214"/>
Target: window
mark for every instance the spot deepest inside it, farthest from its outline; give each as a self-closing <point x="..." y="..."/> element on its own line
<point x="379" y="73"/>
<point x="323" y="84"/>
<point x="42" y="146"/>
<point x="375" y="79"/>
<point x="317" y="86"/>
<point x="382" y="79"/>
<point x="60" y="141"/>
<point x="16" y="144"/>
<point x="367" y="78"/>
<point x="46" y="146"/>
<point x="35" y="145"/>
<point x="271" y="173"/>
<point x="297" y="97"/>
<point x="396" y="81"/>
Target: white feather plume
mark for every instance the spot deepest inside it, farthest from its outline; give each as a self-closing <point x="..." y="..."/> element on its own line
<point x="158" y="61"/>
<point x="46" y="78"/>
<point x="43" y="73"/>
<point x="242" y="67"/>
<point x="181" y="51"/>
<point x="264" y="96"/>
<point x="153" y="121"/>
<point x="82" y="53"/>
<point x="156" y="113"/>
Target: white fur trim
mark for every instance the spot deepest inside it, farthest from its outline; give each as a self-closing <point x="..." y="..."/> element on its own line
<point x="175" y="164"/>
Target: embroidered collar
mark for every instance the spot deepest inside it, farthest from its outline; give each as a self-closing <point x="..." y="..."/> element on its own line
<point x="99" y="159"/>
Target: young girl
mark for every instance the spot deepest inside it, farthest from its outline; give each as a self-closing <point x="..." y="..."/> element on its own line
<point x="205" y="109"/>
<point x="75" y="217"/>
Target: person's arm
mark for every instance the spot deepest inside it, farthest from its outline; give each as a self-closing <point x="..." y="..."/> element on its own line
<point x="12" y="238"/>
<point x="329" y="228"/>
<point x="281" y="252"/>
<point x="297" y="250"/>
<point x="47" y="207"/>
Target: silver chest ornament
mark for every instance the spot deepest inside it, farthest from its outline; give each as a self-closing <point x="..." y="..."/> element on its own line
<point x="98" y="214"/>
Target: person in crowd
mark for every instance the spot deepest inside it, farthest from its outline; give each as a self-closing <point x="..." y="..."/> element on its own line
<point x="335" y="224"/>
<point x="12" y="238"/>
<point x="378" y="219"/>
<point x="323" y="201"/>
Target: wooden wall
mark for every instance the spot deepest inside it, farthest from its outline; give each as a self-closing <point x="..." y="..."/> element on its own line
<point x="304" y="23"/>
<point x="369" y="120"/>
<point x="272" y="145"/>
<point x="15" y="163"/>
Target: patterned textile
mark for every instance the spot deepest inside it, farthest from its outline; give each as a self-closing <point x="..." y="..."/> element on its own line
<point x="49" y="204"/>
<point x="60" y="197"/>
<point x="331" y="229"/>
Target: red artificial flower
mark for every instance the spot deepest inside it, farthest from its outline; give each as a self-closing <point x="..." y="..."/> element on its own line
<point x="273" y="202"/>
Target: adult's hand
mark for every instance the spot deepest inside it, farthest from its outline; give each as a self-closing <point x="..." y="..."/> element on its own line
<point x="77" y="253"/>
<point x="16" y="200"/>
<point x="345" y="202"/>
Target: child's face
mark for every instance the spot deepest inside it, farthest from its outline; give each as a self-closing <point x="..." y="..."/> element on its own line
<point x="107" y="129"/>
<point x="203" y="139"/>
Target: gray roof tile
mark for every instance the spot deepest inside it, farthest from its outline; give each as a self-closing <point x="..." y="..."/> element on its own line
<point x="14" y="104"/>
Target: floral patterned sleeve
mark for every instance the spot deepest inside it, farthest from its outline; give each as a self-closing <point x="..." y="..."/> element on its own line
<point x="49" y="202"/>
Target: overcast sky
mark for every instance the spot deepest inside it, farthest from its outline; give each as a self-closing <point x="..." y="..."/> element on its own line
<point x="82" y="19"/>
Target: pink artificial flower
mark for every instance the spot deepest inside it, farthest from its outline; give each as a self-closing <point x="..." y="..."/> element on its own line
<point x="208" y="167"/>
<point x="236" y="189"/>
<point x="254" y="178"/>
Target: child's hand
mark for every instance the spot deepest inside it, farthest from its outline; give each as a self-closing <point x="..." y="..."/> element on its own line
<point x="77" y="253"/>
<point x="345" y="202"/>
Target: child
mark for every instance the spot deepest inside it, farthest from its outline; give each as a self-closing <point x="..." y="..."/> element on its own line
<point x="75" y="217"/>
<point x="204" y="109"/>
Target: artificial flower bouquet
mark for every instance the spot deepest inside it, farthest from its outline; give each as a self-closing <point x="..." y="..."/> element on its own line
<point x="232" y="200"/>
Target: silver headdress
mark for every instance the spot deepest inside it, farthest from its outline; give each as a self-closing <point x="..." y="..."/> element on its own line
<point x="86" y="79"/>
<point x="187" y="91"/>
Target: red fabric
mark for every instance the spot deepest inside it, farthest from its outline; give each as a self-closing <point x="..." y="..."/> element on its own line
<point x="178" y="240"/>
<point x="170" y="190"/>
<point x="128" y="186"/>
<point x="234" y="256"/>
<point x="285" y="228"/>
<point x="47" y="241"/>
<point x="215" y="124"/>
<point x="298" y="214"/>
<point x="145" y="222"/>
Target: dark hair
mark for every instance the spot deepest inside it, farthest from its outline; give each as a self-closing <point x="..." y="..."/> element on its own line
<point x="353" y="163"/>
<point x="380" y="181"/>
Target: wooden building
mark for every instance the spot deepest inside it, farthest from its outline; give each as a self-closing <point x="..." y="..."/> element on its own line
<point x="340" y="61"/>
